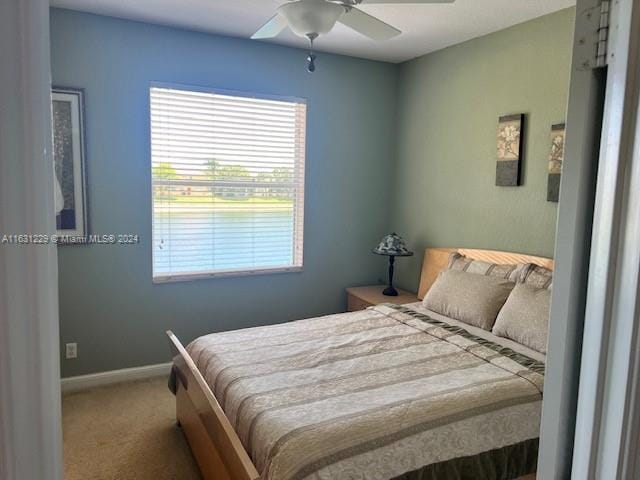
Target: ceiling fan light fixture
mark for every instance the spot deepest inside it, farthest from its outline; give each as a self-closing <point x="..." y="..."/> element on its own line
<point x="308" y="17"/>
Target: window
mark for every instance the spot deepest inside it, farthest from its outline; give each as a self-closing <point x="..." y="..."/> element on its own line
<point x="227" y="181"/>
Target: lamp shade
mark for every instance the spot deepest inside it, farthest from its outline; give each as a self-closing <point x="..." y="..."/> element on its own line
<point x="392" y="245"/>
<point x="311" y="17"/>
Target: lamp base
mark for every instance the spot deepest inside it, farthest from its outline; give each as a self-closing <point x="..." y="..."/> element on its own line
<point x="390" y="291"/>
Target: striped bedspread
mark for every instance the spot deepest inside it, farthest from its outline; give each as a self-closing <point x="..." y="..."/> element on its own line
<point x="382" y="393"/>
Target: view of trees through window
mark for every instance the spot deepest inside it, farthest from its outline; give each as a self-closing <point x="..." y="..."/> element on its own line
<point x="266" y="184"/>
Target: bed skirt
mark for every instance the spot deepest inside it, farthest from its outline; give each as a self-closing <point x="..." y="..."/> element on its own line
<point x="507" y="463"/>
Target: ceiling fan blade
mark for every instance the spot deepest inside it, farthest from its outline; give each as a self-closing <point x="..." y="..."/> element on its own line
<point x="272" y="28"/>
<point x="367" y="25"/>
<point x="368" y="2"/>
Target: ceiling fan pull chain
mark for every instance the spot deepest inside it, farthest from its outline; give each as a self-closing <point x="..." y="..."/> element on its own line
<point x="311" y="59"/>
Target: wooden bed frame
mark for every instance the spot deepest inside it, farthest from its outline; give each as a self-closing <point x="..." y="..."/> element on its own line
<point x="213" y="441"/>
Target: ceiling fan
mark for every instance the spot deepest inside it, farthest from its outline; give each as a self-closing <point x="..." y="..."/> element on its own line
<point x="311" y="18"/>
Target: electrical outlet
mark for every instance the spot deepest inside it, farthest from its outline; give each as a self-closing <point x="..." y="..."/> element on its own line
<point x="71" y="350"/>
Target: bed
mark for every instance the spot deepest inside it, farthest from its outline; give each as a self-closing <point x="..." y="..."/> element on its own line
<point x="391" y="392"/>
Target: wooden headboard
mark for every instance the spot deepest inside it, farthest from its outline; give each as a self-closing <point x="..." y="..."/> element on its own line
<point x="435" y="260"/>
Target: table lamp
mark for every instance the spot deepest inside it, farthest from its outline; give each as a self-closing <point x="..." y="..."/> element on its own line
<point x="392" y="246"/>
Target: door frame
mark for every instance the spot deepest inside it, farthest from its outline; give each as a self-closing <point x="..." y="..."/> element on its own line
<point x="572" y="249"/>
<point x="589" y="426"/>
<point x="607" y="427"/>
<point x="30" y="420"/>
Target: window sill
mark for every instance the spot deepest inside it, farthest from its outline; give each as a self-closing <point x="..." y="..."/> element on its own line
<point x="188" y="277"/>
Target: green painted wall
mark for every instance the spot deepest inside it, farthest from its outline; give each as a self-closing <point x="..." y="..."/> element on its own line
<point x="107" y="301"/>
<point x="448" y="106"/>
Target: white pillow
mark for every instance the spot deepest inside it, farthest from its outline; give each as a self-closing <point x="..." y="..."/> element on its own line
<point x="469" y="297"/>
<point x="524" y="317"/>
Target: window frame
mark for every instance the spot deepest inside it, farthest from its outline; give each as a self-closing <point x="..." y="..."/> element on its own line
<point x="299" y="209"/>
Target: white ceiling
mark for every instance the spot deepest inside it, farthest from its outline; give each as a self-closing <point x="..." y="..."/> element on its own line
<point x="425" y="27"/>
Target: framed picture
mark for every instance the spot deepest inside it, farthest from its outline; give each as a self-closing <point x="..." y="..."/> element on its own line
<point x="509" y="149"/>
<point x="556" y="157"/>
<point x="69" y="161"/>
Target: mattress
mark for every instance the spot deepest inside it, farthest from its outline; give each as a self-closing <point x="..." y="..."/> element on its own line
<point x="391" y="392"/>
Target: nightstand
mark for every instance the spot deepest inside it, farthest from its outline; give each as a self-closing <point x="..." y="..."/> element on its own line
<point x="359" y="298"/>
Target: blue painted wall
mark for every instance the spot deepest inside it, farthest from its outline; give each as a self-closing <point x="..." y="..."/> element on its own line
<point x="108" y="304"/>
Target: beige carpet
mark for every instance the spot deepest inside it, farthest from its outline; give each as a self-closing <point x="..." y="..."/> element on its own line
<point x="125" y="431"/>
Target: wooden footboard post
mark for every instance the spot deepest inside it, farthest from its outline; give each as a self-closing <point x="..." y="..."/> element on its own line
<point x="213" y="441"/>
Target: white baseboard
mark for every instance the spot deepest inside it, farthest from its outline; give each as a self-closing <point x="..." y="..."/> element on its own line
<point x="83" y="382"/>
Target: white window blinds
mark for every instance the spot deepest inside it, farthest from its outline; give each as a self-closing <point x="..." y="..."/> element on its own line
<point x="227" y="181"/>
